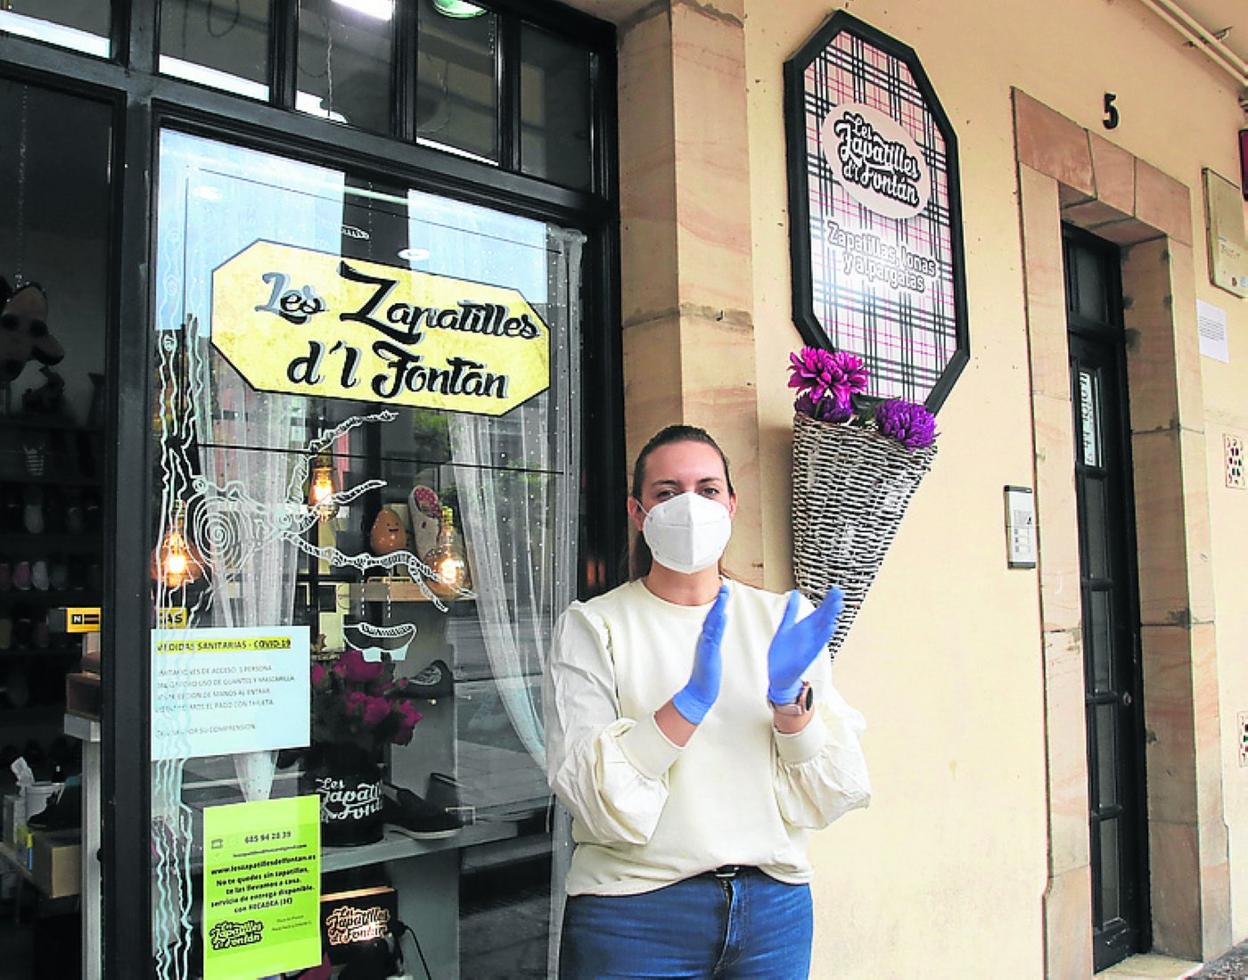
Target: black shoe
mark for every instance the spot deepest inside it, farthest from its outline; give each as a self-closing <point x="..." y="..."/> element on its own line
<point x="417" y="816"/>
<point x="435" y="681"/>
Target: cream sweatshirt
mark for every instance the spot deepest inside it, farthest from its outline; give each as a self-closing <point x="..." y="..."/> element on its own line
<point x="646" y="812"/>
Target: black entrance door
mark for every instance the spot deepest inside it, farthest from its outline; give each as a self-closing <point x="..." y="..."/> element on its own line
<point x="1110" y="605"/>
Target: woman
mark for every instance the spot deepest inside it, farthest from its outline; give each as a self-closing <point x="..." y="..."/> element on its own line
<point x="682" y="738"/>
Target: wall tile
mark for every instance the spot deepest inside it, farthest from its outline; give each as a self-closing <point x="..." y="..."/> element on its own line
<point x="1049" y="142"/>
<point x="1068" y="926"/>
<point x="1067" y="751"/>
<point x="1150" y="337"/>
<point x="1162" y="202"/>
<point x="1160" y="532"/>
<point x="1170" y="738"/>
<point x="1045" y="284"/>
<point x="1175" y="887"/>
<point x="1113" y="169"/>
<point x="647" y="161"/>
<point x="1056" y="516"/>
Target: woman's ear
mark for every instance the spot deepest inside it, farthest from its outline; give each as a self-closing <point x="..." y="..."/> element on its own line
<point x="635" y="513"/>
<point x="732" y="505"/>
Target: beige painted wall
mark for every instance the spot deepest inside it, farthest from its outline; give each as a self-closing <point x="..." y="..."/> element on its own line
<point x="943" y="875"/>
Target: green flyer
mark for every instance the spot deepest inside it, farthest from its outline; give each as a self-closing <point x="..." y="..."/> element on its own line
<point x="262" y="888"/>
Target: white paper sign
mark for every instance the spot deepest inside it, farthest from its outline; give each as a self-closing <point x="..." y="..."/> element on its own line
<point x="224" y="690"/>
<point x="1211" y="324"/>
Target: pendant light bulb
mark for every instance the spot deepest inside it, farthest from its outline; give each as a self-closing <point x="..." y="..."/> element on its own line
<point x="321" y="489"/>
<point x="446" y="560"/>
<point x="173" y="562"/>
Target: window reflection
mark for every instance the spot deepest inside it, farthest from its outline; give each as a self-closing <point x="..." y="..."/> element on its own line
<point x="79" y="24"/>
<point x="457" y="89"/>
<point x="344" y="65"/>
<point x="554" y="109"/>
<point x="224" y="46"/>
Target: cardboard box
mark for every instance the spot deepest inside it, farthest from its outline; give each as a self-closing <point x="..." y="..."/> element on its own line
<point x="57" y="862"/>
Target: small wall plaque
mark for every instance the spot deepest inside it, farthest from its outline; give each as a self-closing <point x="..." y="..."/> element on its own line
<point x="1224" y="230"/>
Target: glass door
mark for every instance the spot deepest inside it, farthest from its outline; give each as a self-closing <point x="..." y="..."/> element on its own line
<point x="365" y="482"/>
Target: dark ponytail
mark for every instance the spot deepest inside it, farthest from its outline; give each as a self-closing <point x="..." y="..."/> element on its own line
<point x="640" y="558"/>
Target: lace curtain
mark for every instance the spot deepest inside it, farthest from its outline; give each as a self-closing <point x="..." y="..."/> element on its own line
<point x="518" y="476"/>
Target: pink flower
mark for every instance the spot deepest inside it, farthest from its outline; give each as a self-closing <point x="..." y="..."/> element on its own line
<point x="376" y="710"/>
<point x="408" y="717"/>
<point x="319" y="675"/>
<point x="820" y="372"/>
<point x="355" y="702"/>
<point x="409" y="714"/>
<point x="358" y="670"/>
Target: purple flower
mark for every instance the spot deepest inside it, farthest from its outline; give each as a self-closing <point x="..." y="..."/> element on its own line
<point x="821" y="372"/>
<point x="354" y="701"/>
<point x="827" y="409"/>
<point x="319" y="675"/>
<point x="911" y="425"/>
<point x="409" y="713"/>
<point x="358" y="670"/>
<point x="376" y="710"/>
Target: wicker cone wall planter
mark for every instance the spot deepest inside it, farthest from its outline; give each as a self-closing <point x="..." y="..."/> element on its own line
<point x="851" y="488"/>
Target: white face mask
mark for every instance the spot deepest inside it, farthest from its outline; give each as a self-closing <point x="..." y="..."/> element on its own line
<point x="687" y="533"/>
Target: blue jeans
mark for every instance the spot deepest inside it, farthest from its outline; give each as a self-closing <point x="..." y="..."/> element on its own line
<point x="748" y="926"/>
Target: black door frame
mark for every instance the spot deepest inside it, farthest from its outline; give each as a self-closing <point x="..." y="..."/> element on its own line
<point x="1106" y="948"/>
<point x="143" y="104"/>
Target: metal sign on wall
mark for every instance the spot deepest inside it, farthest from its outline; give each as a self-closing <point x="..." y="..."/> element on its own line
<point x="311" y="323"/>
<point x="875" y="217"/>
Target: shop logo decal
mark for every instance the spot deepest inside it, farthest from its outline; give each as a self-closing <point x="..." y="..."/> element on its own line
<point x="302" y="322"/>
<point x="347" y="924"/>
<point x="340" y="803"/>
<point x="229" y="934"/>
<point x="878" y="162"/>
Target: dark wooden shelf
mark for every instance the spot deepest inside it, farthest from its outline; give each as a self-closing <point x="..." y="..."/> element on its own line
<point x="34" y="653"/>
<point x="90" y="540"/>
<point x="31" y="714"/>
<point x="51" y="597"/>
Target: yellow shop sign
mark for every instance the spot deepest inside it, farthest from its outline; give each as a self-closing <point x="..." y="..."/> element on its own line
<point x="311" y="323"/>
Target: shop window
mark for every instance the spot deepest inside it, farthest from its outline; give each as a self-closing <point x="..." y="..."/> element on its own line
<point x="346" y="50"/>
<point x="79" y="24"/>
<point x="554" y="109"/>
<point x="401" y="533"/>
<point x="457" y="84"/>
<point x="223" y="45"/>
<point x="54" y="303"/>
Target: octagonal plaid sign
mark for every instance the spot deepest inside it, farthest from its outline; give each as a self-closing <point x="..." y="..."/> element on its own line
<point x="875" y="217"/>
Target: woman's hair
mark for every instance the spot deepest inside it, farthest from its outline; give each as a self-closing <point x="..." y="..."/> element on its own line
<point x="640" y="558"/>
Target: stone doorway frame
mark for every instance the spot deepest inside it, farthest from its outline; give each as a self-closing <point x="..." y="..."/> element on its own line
<point x="1066" y="173"/>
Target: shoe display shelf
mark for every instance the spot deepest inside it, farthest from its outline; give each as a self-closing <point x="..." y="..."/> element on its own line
<point x="50" y="556"/>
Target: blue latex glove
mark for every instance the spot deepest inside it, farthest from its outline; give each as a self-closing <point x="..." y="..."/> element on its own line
<point x="695" y="699"/>
<point x="796" y="645"/>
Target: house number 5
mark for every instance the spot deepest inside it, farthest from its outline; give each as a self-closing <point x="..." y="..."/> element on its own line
<point x="1111" y="112"/>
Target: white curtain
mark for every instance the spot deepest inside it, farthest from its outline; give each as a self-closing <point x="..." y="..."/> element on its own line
<point x="518" y="476"/>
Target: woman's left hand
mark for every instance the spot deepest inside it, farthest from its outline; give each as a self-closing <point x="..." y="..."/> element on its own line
<point x="796" y="645"/>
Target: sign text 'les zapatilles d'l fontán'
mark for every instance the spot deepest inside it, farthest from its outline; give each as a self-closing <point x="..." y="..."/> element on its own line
<point x="310" y="323"/>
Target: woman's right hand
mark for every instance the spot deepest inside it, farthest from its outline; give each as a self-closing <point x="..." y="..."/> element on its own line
<point x="696" y="698"/>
